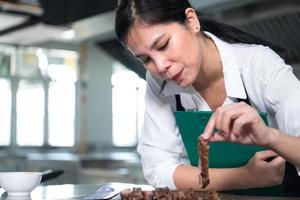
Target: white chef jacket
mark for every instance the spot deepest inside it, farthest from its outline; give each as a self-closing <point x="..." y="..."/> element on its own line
<point x="269" y="82"/>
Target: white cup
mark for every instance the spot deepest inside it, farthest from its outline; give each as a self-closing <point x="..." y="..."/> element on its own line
<point x="19" y="183"/>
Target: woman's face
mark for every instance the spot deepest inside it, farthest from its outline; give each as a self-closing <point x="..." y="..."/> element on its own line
<point x="171" y="51"/>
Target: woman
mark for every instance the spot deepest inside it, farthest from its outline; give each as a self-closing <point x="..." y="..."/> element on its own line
<point x="205" y="66"/>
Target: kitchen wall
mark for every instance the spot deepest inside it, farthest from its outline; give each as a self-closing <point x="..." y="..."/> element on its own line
<point x="98" y="97"/>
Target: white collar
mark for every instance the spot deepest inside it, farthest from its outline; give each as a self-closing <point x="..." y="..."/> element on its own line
<point x="233" y="82"/>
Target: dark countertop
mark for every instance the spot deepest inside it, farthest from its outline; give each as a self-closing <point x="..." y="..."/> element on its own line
<point x="238" y="197"/>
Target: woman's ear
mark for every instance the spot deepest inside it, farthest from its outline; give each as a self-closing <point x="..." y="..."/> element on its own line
<point x="192" y="20"/>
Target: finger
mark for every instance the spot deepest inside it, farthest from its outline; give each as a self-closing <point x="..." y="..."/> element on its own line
<point x="226" y="136"/>
<point x="218" y="118"/>
<point x="221" y="136"/>
<point x="226" y="121"/>
<point x="241" y="121"/>
<point x="264" y="155"/>
<point x="283" y="165"/>
<point x="216" y="137"/>
<point x="226" y="115"/>
<point x="278" y="161"/>
<point x="209" y="129"/>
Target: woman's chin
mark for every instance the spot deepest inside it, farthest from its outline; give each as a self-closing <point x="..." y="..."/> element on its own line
<point x="183" y="84"/>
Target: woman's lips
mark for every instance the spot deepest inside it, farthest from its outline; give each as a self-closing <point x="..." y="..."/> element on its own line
<point x="177" y="76"/>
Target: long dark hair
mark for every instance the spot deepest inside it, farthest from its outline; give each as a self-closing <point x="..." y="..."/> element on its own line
<point x="164" y="11"/>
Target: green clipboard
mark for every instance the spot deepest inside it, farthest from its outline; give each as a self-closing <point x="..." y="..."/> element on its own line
<point x="221" y="154"/>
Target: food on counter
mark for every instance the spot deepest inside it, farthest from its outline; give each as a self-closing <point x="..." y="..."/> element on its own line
<point x="167" y="194"/>
<point x="136" y="194"/>
<point x="185" y="194"/>
<point x="203" y="150"/>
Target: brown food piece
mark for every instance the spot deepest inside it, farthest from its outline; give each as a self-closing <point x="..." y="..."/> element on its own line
<point x="137" y="194"/>
<point x="167" y="194"/>
<point x="125" y="194"/>
<point x="191" y="194"/>
<point x="203" y="149"/>
<point x="148" y="195"/>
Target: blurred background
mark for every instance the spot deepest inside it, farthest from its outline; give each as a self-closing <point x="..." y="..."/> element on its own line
<point x="71" y="97"/>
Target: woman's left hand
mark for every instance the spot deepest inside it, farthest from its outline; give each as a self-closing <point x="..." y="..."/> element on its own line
<point x="262" y="172"/>
<point x="238" y="123"/>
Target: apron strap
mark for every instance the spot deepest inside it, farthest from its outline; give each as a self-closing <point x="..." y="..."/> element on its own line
<point x="179" y="106"/>
<point x="247" y="101"/>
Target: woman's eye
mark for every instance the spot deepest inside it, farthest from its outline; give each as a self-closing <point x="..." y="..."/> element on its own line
<point x="164" y="46"/>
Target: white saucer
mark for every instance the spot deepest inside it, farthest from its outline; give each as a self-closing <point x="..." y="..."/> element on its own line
<point x="18" y="194"/>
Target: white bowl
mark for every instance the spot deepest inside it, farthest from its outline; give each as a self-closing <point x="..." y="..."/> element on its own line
<point x="19" y="183"/>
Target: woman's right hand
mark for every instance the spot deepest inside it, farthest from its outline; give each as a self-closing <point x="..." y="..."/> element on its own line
<point x="238" y="123"/>
<point x="262" y="173"/>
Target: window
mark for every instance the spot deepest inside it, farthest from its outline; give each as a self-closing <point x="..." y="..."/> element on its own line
<point x="128" y="105"/>
<point x="62" y="73"/>
<point x="39" y="85"/>
<point x="30" y="113"/>
<point x="5" y="111"/>
<point x="61" y="97"/>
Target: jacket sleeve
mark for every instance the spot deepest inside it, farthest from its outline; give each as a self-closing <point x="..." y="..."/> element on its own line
<point x="160" y="144"/>
<point x="282" y="94"/>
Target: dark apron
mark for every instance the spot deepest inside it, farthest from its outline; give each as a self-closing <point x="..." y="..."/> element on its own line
<point x="291" y="181"/>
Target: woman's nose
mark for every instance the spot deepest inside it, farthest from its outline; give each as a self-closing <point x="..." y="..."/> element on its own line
<point x="162" y="64"/>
